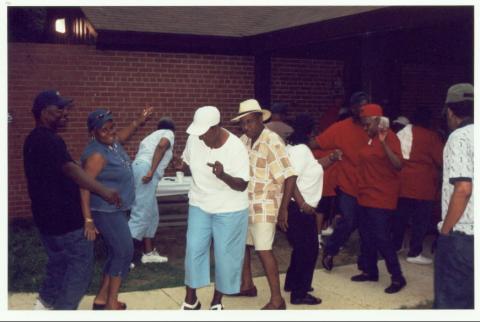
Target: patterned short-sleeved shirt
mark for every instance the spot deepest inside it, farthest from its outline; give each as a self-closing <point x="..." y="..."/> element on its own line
<point x="458" y="166"/>
<point x="269" y="167"/>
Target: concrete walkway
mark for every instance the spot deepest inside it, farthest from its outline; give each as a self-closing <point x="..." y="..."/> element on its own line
<point x="334" y="288"/>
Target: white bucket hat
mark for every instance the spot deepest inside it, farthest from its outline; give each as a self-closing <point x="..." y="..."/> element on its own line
<point x="205" y="117"/>
<point x="251" y="106"/>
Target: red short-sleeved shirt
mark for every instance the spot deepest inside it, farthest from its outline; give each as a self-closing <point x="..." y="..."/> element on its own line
<point x="378" y="181"/>
<point x="329" y="117"/>
<point x="329" y="175"/>
<point x="420" y="174"/>
<point x="350" y="138"/>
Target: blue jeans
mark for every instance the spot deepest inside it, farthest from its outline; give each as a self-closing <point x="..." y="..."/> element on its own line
<point x="454" y="275"/>
<point x="375" y="226"/>
<point x="345" y="226"/>
<point x="69" y="269"/>
<point x="229" y="233"/>
<point x="420" y="212"/>
<point x="143" y="221"/>
<point x="118" y="241"/>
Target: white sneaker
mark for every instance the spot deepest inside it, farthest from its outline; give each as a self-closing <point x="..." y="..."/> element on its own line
<point x="153" y="257"/>
<point x="419" y="260"/>
<point x="40" y="306"/>
<point x="328" y="231"/>
<point x="320" y="242"/>
<point x="132" y="266"/>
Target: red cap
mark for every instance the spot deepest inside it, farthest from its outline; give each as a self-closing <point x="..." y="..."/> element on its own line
<point x="371" y="110"/>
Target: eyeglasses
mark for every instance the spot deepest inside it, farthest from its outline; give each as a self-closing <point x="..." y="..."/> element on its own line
<point x="102" y="115"/>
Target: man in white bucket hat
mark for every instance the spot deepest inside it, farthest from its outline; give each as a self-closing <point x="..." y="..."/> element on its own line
<point x="270" y="189"/>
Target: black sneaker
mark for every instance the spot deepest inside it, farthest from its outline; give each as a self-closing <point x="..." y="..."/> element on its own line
<point x="327" y="261"/>
<point x="364" y="278"/>
<point x="396" y="286"/>
<point x="308" y="299"/>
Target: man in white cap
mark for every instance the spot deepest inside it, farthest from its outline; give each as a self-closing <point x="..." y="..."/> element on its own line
<point x="454" y="278"/>
<point x="270" y="189"/>
<point x="218" y="207"/>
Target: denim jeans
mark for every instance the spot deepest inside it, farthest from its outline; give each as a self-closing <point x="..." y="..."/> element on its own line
<point x="302" y="235"/>
<point x="420" y="212"/>
<point x="68" y="271"/>
<point x="345" y="226"/>
<point x="144" y="217"/>
<point x="375" y="226"/>
<point x="454" y="275"/>
<point x="118" y="241"/>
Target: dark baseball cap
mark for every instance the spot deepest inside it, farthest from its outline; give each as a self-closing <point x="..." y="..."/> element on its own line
<point x="49" y="97"/>
<point x="97" y="118"/>
<point x="358" y="97"/>
<point x="279" y="108"/>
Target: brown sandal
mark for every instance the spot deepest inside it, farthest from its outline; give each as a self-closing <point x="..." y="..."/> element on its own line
<point x="270" y="306"/>
<point x="98" y="306"/>
<point x="251" y="292"/>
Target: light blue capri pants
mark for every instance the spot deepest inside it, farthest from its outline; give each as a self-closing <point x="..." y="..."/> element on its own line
<point x="143" y="221"/>
<point x="229" y="232"/>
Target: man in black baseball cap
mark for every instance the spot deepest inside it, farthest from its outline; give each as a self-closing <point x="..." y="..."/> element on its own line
<point x="47" y="98"/>
<point x="53" y="180"/>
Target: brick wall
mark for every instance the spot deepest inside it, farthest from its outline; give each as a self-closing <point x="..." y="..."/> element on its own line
<point x="175" y="84"/>
<point x="426" y="86"/>
<point x="306" y="84"/>
<point x="124" y="82"/>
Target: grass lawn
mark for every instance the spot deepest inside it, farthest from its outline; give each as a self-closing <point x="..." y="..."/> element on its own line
<point x="27" y="259"/>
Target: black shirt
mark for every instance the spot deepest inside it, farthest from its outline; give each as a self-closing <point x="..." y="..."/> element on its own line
<point x="55" y="197"/>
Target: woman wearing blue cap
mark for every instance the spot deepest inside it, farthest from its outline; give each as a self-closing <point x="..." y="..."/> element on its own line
<point x="105" y="160"/>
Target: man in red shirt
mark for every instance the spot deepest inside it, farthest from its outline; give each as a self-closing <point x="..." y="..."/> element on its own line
<point x="422" y="153"/>
<point x="326" y="206"/>
<point x="349" y="137"/>
<point x="379" y="165"/>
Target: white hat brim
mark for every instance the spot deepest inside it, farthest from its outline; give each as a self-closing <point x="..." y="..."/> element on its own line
<point x="197" y="130"/>
<point x="265" y="115"/>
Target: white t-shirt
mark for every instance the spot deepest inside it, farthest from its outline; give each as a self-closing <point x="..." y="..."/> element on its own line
<point x="310" y="173"/>
<point x="208" y="192"/>
<point x="458" y="163"/>
<point x="148" y="146"/>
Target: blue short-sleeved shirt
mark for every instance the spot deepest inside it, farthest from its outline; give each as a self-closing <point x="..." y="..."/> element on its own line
<point x="116" y="174"/>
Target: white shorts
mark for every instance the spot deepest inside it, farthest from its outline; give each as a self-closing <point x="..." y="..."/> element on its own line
<point x="261" y="235"/>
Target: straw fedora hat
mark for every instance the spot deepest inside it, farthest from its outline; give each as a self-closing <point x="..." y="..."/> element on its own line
<point x="251" y="106"/>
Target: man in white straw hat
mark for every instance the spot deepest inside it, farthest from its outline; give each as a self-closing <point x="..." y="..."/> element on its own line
<point x="271" y="173"/>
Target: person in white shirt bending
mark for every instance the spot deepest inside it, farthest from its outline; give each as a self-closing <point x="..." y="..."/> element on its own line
<point x="218" y="207"/>
<point x="153" y="156"/>
<point x="302" y="229"/>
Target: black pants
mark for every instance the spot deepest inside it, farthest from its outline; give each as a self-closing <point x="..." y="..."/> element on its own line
<point x="302" y="235"/>
<point x="420" y="212"/>
<point x="346" y="225"/>
<point x="375" y="232"/>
